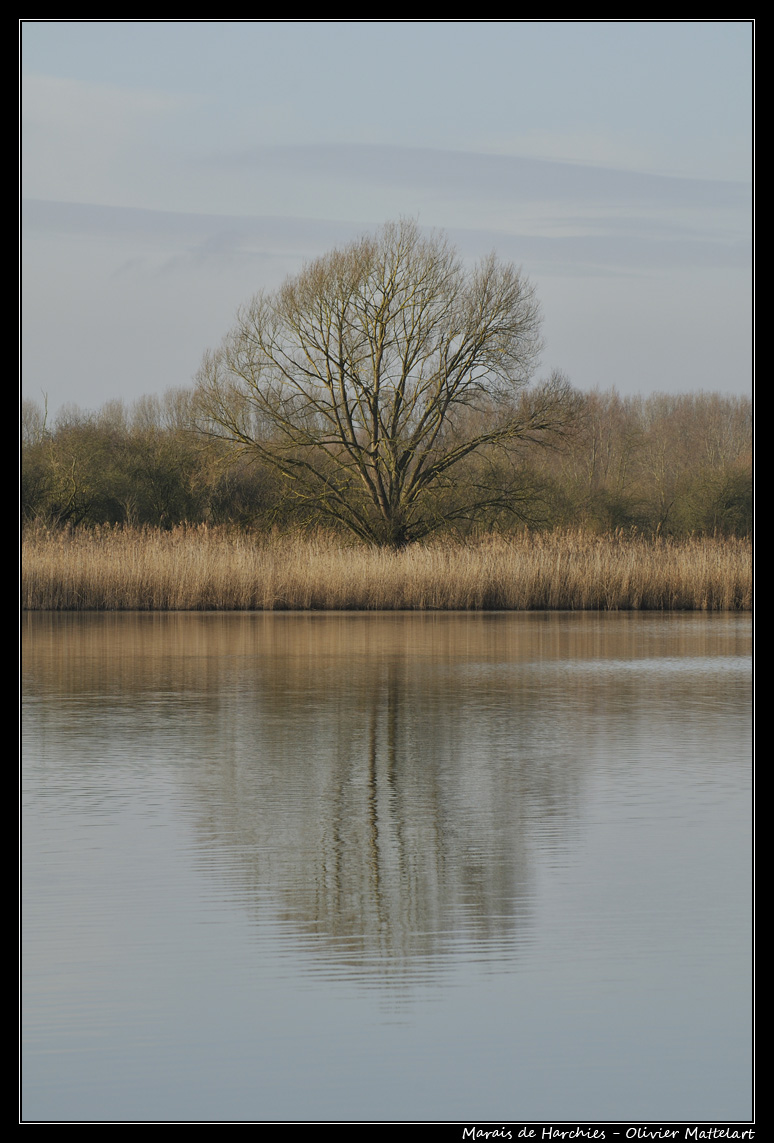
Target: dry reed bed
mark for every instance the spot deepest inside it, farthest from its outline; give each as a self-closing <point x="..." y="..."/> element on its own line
<point x="204" y="569"/>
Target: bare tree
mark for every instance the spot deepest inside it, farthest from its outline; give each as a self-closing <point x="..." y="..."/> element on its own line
<point x="379" y="368"/>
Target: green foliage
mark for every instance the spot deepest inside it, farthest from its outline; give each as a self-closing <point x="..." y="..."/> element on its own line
<point x="661" y="465"/>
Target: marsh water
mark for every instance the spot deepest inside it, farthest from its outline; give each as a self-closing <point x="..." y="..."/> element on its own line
<point x="363" y="867"/>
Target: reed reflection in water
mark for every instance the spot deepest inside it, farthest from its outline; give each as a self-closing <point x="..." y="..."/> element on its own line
<point x="405" y="866"/>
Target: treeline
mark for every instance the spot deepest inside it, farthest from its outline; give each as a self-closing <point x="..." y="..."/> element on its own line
<point x="669" y="465"/>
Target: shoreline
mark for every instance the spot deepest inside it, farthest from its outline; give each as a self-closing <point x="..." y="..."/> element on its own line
<point x="202" y="568"/>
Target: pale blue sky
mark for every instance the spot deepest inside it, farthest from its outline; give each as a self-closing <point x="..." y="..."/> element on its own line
<point x="171" y="169"/>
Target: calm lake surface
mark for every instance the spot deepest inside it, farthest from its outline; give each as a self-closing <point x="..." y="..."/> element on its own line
<point x="386" y="867"/>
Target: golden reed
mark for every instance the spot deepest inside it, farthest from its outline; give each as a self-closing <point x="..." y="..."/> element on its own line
<point x="218" y="569"/>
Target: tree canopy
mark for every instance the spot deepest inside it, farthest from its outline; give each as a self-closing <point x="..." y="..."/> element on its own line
<point x="371" y="376"/>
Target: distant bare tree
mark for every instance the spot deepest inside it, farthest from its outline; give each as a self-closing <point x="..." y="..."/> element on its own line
<point x="373" y="373"/>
